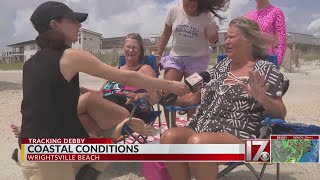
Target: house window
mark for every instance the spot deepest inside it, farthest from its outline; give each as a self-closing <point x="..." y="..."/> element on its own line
<point x="90" y="38"/>
<point x="84" y="38"/>
<point x="79" y="38"/>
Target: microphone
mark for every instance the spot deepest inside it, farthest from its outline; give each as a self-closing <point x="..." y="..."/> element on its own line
<point x="195" y="82"/>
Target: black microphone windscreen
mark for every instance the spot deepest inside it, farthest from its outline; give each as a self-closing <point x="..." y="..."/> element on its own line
<point x="205" y="75"/>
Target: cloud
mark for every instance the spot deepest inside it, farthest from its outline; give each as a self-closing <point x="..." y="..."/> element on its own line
<point x="22" y="23"/>
<point x="314" y="25"/>
<point x="144" y="16"/>
<point x="315" y="15"/>
<point x="117" y="18"/>
<point x="236" y="8"/>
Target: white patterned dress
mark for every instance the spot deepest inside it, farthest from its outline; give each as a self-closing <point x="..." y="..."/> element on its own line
<point x="229" y="108"/>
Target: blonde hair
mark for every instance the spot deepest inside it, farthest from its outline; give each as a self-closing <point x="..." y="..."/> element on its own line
<point x="251" y="31"/>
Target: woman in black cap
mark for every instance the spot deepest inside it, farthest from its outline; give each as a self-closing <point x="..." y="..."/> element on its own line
<point x="51" y="84"/>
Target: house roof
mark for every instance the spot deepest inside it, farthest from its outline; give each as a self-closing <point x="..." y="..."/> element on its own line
<point x="108" y="43"/>
<point x="22" y="43"/>
<point x="116" y="42"/>
<point x="292" y="37"/>
<point x="89" y="31"/>
<point x="300" y="38"/>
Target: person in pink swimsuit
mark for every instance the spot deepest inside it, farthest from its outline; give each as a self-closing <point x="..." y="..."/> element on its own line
<point x="272" y="21"/>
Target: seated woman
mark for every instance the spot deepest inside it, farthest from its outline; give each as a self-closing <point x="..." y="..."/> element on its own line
<point x="116" y="96"/>
<point x="242" y="90"/>
<point x="115" y="103"/>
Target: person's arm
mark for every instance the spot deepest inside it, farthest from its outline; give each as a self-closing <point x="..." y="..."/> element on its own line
<point x="211" y="30"/>
<point x="280" y="27"/>
<point x="164" y="38"/>
<point x="167" y="31"/>
<point x="274" y="107"/>
<point x="74" y="61"/>
<point x="258" y="87"/>
<point x="152" y="96"/>
<point x="189" y="99"/>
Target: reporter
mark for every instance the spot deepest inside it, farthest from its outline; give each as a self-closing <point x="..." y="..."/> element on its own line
<point x="51" y="83"/>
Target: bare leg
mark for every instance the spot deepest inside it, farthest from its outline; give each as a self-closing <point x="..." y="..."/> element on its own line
<point x="105" y="113"/>
<point x="177" y="170"/>
<point x="90" y="125"/>
<point x="172" y="74"/>
<point x="205" y="170"/>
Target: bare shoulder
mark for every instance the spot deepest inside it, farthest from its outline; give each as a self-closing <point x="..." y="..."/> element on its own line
<point x="70" y="53"/>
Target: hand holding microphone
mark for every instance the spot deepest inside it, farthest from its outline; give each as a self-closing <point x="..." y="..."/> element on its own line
<point x="195" y="82"/>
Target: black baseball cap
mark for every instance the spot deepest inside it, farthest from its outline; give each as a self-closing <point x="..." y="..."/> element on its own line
<point x="50" y="10"/>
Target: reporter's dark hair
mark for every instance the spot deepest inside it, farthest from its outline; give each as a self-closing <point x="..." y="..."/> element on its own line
<point x="213" y="6"/>
<point x="51" y="39"/>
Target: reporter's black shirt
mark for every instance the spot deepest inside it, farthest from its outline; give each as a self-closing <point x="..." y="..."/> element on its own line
<point x="49" y="106"/>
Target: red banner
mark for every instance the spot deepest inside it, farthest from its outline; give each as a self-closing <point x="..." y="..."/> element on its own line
<point x="137" y="157"/>
<point x="294" y="137"/>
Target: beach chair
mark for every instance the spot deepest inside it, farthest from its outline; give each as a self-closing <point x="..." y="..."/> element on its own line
<point x="126" y="131"/>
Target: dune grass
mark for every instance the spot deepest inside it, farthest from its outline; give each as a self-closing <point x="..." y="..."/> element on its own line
<point x="311" y="56"/>
<point x="11" y="66"/>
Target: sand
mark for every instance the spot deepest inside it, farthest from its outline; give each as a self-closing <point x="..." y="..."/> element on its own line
<point x="302" y="101"/>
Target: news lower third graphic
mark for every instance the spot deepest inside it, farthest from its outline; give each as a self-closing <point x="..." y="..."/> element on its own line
<point x="277" y="149"/>
<point x="103" y="149"/>
<point x="294" y="149"/>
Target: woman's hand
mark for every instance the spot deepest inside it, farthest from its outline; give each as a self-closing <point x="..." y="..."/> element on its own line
<point x="178" y="88"/>
<point x="133" y="97"/>
<point x="257" y="87"/>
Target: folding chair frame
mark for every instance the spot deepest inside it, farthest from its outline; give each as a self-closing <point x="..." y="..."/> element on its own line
<point x="259" y="176"/>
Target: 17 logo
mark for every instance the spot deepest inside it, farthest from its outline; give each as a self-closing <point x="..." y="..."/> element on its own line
<point x="257" y="150"/>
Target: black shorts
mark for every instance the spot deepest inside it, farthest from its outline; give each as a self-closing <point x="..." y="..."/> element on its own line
<point x="121" y="101"/>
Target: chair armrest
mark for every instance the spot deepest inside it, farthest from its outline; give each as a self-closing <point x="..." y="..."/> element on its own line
<point x="176" y="108"/>
<point x="272" y="121"/>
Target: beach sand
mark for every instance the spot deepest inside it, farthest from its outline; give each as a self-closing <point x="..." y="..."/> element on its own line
<point x="302" y="101"/>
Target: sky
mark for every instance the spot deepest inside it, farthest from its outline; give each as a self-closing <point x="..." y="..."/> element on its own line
<point x="118" y="17"/>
